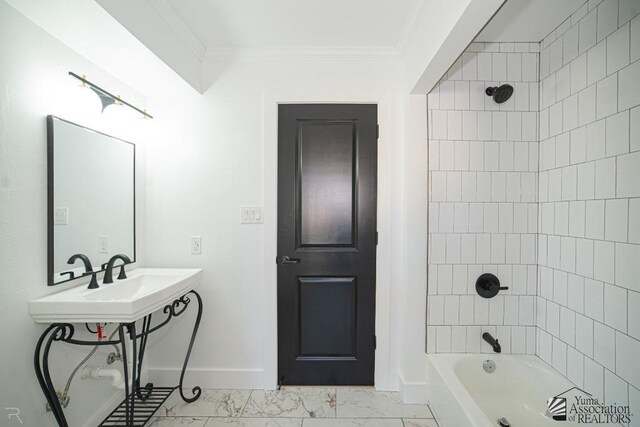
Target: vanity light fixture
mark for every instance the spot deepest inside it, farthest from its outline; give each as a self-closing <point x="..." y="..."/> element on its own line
<point x="107" y="98"/>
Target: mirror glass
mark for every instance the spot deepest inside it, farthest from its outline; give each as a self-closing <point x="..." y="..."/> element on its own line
<point x="91" y="199"/>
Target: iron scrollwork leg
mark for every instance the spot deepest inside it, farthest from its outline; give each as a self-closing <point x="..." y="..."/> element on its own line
<point x="128" y="414"/>
<point x="135" y="373"/>
<point x="64" y="332"/>
<point x="146" y="324"/>
<point x="55" y="332"/>
<point x="197" y="391"/>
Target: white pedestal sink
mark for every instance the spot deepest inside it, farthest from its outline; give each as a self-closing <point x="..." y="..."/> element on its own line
<point x="123" y="302"/>
<point x="144" y="291"/>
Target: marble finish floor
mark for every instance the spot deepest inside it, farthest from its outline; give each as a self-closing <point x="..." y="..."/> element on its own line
<point x="294" y="407"/>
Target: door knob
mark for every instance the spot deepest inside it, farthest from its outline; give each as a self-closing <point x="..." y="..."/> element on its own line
<point x="287" y="260"/>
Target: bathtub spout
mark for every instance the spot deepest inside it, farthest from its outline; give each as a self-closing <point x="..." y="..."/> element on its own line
<point x="492" y="342"/>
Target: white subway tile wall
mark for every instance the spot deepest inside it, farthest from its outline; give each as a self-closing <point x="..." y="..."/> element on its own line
<point x="594" y="338"/>
<point x="544" y="192"/>
<point x="483" y="213"/>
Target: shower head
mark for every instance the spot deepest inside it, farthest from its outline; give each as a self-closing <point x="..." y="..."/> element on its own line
<point x="500" y="94"/>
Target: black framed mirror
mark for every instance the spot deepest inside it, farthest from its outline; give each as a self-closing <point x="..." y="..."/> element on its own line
<point x="90" y="199"/>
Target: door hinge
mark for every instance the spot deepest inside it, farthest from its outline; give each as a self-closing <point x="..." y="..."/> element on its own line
<point x="375" y="342"/>
<point x="376" y="238"/>
<point x="377" y="131"/>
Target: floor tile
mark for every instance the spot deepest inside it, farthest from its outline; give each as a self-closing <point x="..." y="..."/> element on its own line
<point x="354" y="402"/>
<point x="305" y="402"/>
<point x="254" y="422"/>
<point x="352" y="422"/>
<point x="176" y="421"/>
<point x="212" y="403"/>
<point x="416" y="422"/>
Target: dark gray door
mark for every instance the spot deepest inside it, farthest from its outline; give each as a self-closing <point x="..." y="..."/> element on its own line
<point x="327" y="169"/>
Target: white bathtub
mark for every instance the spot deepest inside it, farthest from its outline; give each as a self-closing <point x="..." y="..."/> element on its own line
<point x="463" y="394"/>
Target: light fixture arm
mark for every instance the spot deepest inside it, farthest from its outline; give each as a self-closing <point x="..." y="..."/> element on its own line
<point x="107" y="98"/>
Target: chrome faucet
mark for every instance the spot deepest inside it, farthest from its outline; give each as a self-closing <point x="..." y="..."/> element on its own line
<point x="108" y="273"/>
<point x="493" y="342"/>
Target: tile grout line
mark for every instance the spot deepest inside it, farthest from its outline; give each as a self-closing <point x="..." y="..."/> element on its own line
<point x="246" y="403"/>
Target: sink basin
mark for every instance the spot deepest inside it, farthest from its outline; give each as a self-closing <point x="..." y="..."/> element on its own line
<point x="144" y="291"/>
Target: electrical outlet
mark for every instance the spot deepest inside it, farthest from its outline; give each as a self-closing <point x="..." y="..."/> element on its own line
<point x="251" y="215"/>
<point x="61" y="216"/>
<point x="196" y="245"/>
<point x="103" y="244"/>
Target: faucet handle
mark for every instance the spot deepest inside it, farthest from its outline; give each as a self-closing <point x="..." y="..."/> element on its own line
<point x="109" y="270"/>
<point x="488" y="286"/>
<point x="93" y="284"/>
<point x="122" y="274"/>
<point x="70" y="273"/>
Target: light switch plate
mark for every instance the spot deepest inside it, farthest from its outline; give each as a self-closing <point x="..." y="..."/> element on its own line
<point x="61" y="216"/>
<point x="251" y="215"/>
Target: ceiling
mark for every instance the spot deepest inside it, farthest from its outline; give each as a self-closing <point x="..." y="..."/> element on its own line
<point x="183" y="34"/>
<point x="258" y="24"/>
<point x="527" y="20"/>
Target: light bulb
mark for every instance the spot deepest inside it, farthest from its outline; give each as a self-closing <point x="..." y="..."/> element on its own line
<point x="82" y="98"/>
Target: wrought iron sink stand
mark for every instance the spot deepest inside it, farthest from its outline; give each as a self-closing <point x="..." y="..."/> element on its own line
<point x="140" y="403"/>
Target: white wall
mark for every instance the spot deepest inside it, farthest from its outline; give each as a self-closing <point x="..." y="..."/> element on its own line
<point x="483" y="163"/>
<point x="216" y="153"/>
<point x="34" y="83"/>
<point x="430" y="29"/>
<point x="589" y="244"/>
<point x="440" y="32"/>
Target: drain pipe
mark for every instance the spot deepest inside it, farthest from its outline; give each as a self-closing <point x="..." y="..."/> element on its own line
<point x="98" y="373"/>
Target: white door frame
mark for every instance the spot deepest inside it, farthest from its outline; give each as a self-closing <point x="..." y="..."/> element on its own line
<point x="389" y="118"/>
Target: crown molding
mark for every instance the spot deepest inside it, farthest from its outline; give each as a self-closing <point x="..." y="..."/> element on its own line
<point x="178" y="26"/>
<point x="202" y="52"/>
<point x="311" y="52"/>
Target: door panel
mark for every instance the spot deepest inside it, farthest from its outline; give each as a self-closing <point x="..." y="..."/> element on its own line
<point x="327" y="168"/>
<point x="327" y="317"/>
<point x="327" y="154"/>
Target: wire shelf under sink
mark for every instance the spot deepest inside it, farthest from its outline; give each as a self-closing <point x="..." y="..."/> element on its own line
<point x="145" y="405"/>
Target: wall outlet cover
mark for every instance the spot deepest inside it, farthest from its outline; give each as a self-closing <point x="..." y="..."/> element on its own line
<point x="196" y="245"/>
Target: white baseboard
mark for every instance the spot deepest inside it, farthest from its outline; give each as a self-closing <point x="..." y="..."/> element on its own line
<point x="413" y="392"/>
<point x="387" y="382"/>
<point x="209" y="378"/>
<point x="95" y="417"/>
<point x="254" y="379"/>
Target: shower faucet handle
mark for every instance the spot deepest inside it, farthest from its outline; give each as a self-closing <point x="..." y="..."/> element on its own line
<point x="488" y="285"/>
